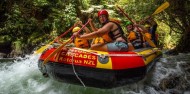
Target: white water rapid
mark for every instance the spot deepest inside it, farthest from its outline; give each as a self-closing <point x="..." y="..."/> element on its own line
<point x="22" y="76"/>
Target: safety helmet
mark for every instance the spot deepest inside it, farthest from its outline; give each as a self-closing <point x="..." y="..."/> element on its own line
<point x="147" y="25"/>
<point x="103" y="12"/>
<point x="128" y="23"/>
<point x="76" y="29"/>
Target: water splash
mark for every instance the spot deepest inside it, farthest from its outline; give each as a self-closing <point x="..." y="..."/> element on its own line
<point x="22" y="76"/>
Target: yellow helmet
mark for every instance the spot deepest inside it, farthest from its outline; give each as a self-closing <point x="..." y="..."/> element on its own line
<point x="147" y="25"/>
<point x="76" y="29"/>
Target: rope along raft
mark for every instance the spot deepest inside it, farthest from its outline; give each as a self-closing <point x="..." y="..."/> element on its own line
<point x="103" y="55"/>
<point x="111" y="55"/>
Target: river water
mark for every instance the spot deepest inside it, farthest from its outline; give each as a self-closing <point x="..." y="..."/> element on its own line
<point x="170" y="75"/>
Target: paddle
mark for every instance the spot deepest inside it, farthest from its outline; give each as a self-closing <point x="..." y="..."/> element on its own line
<point x="158" y="10"/>
<point x="147" y="39"/>
<point x="60" y="47"/>
<point x="47" y="45"/>
<point x="161" y="8"/>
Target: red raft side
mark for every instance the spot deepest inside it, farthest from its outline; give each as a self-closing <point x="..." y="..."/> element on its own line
<point x="126" y="61"/>
<point x="46" y="53"/>
<point x="75" y="56"/>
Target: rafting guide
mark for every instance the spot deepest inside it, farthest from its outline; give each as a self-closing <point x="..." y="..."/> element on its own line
<point x="114" y="31"/>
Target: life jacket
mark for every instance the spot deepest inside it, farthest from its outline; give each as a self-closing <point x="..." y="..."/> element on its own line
<point x="106" y="37"/>
<point x="113" y="35"/>
<point x="103" y="39"/>
<point x="110" y="36"/>
<point x="81" y="43"/>
<point x="148" y="35"/>
<point x="115" y="20"/>
<point x="98" y="40"/>
<point x="137" y="43"/>
<point x="132" y="36"/>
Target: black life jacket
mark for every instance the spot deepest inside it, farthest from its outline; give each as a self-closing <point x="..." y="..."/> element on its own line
<point x="118" y="32"/>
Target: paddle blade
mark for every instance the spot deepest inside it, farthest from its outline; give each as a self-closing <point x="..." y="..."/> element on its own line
<point x="161" y="8"/>
<point x="43" y="48"/>
<point x="57" y="50"/>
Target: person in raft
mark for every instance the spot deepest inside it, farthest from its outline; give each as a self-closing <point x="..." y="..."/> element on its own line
<point x="114" y="31"/>
<point x="133" y="36"/>
<point x="103" y="39"/>
<point x="151" y="26"/>
<point x="81" y="43"/>
<point x="98" y="40"/>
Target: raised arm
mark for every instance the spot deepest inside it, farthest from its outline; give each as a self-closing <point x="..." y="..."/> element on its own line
<point x="140" y="27"/>
<point x="92" y="25"/>
<point x="100" y="32"/>
<point x="85" y="28"/>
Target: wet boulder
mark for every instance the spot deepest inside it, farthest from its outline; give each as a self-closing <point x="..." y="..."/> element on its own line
<point x="174" y="82"/>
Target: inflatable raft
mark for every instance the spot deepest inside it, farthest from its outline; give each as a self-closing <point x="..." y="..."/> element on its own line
<point x="98" y="69"/>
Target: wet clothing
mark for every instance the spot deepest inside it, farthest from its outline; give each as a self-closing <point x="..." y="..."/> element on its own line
<point x="117" y="46"/>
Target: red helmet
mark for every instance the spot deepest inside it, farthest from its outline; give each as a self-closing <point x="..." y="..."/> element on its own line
<point x="103" y="12"/>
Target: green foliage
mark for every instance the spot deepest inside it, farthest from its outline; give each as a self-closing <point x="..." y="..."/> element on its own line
<point x="18" y="45"/>
<point x="5" y="38"/>
<point x="32" y="21"/>
<point x="123" y="2"/>
<point x="40" y="2"/>
<point x="137" y="9"/>
<point x="85" y="4"/>
<point x="171" y="26"/>
<point x="63" y="18"/>
<point x="170" y="42"/>
<point x="167" y="38"/>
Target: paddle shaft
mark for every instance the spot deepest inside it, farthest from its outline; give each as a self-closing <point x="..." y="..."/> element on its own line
<point x="46" y="46"/>
<point x="147" y="39"/>
<point x="60" y="47"/>
<point x="124" y="13"/>
<point x="70" y="29"/>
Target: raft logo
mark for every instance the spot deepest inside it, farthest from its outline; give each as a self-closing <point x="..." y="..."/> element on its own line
<point x="78" y="57"/>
